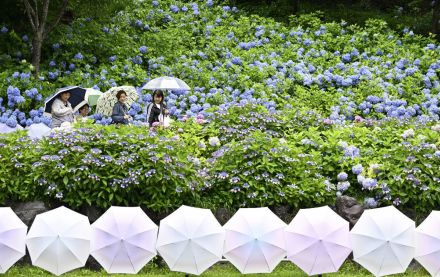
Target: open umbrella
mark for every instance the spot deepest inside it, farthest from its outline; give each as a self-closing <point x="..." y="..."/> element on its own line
<point x="108" y="99"/>
<point x="5" y="129"/>
<point x="428" y="243"/>
<point x="77" y="95"/>
<point x="12" y="239"/>
<point x="38" y="130"/>
<point x="123" y="240"/>
<point x="166" y="83"/>
<point x="90" y="98"/>
<point x="59" y="240"/>
<point x="254" y="241"/>
<point x="190" y="240"/>
<point x="317" y="240"/>
<point x="383" y="241"/>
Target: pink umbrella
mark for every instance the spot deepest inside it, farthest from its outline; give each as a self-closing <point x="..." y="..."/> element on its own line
<point x="428" y="243"/>
<point x="317" y="240"/>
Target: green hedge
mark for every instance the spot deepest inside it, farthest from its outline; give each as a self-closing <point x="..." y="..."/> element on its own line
<point x="246" y="156"/>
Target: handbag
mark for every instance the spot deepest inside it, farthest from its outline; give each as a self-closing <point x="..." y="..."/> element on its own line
<point x="164" y="120"/>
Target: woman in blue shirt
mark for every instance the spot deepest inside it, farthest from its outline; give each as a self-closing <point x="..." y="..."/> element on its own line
<point x="120" y="110"/>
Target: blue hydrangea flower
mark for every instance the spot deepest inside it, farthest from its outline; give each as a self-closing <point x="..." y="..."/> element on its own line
<point x="357" y="169"/>
<point x="78" y="56"/>
<point x="342" y="176"/>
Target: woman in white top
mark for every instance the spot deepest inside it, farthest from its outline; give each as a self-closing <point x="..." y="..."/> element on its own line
<point x="157" y="108"/>
<point x="62" y="110"/>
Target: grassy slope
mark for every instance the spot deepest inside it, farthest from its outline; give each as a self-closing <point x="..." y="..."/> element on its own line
<point x="223" y="269"/>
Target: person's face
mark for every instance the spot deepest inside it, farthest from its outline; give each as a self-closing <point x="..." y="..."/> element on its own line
<point x="84" y="111"/>
<point x="123" y="98"/>
<point x="157" y="99"/>
<point x="65" y="96"/>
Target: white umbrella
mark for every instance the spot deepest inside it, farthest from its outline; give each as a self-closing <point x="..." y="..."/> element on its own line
<point x="166" y="83"/>
<point x="254" y="240"/>
<point x="38" y="130"/>
<point x="317" y="240"/>
<point x="108" y="99"/>
<point x="12" y="239"/>
<point x="383" y="241"/>
<point x="190" y="240"/>
<point x="90" y="98"/>
<point x="59" y="240"/>
<point x="123" y="240"/>
<point x="5" y="129"/>
<point x="428" y="243"/>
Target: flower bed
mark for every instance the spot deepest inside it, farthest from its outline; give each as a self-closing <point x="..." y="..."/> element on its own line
<point x="266" y="159"/>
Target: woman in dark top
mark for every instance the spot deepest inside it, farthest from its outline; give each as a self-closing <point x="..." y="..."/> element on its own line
<point x="120" y="110"/>
<point x="157" y="108"/>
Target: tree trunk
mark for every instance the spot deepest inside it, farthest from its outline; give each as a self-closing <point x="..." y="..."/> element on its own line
<point x="37" y="43"/>
<point x="40" y="28"/>
<point x="295" y="7"/>
<point x="435" y="27"/>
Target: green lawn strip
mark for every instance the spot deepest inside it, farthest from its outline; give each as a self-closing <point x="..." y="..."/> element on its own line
<point x="220" y="269"/>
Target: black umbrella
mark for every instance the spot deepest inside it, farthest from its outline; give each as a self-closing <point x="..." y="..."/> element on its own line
<point x="77" y="95"/>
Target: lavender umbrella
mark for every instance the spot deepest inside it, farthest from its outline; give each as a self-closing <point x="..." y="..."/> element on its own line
<point x="317" y="240"/>
<point x="123" y="240"/>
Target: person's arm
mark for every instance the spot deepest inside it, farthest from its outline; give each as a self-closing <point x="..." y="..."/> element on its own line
<point x="59" y="109"/>
<point x="150" y="113"/>
<point x="165" y="109"/>
<point x="118" y="114"/>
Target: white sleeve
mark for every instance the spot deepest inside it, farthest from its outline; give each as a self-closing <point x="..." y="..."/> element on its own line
<point x="59" y="109"/>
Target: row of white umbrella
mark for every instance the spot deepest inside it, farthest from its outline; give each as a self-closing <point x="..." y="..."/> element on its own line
<point x="190" y="240"/>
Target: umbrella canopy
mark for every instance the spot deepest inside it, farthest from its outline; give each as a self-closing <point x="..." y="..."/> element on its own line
<point x="166" y="83"/>
<point x="383" y="241"/>
<point x="123" y="240"/>
<point x="38" y="130"/>
<point x="190" y="240"/>
<point x="12" y="239"/>
<point x="90" y="98"/>
<point x="428" y="243"/>
<point x="317" y="240"/>
<point x="108" y="99"/>
<point x="77" y="95"/>
<point x="254" y="241"/>
<point x="5" y="129"/>
<point x="59" y="240"/>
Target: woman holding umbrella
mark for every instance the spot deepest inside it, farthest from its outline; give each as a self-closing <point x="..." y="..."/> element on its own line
<point x="156" y="109"/>
<point x="62" y="110"/>
<point x="120" y="110"/>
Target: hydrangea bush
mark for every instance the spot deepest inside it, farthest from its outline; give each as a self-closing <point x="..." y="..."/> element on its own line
<point x="303" y="164"/>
